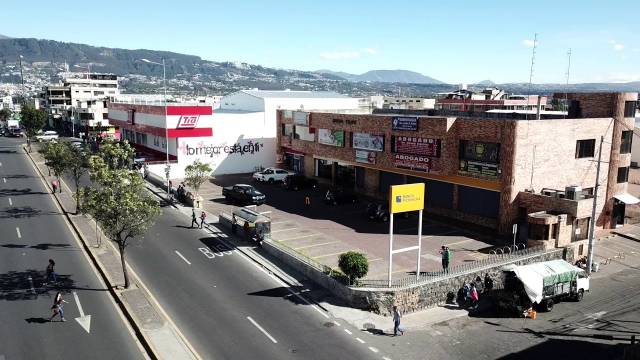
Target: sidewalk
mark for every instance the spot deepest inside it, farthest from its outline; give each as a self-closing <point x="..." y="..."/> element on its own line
<point x="157" y="333"/>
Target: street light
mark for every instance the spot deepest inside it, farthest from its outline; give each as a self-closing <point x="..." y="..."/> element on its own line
<point x="166" y="119"/>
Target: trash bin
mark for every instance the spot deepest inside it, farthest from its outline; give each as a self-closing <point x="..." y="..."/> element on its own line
<point x="595" y="266"/>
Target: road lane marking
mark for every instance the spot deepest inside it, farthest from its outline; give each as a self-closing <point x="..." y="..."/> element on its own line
<point x="261" y="329"/>
<point x="385" y="358"/>
<point x="289" y="229"/>
<point x="337" y="323"/>
<point x="10" y="202"/>
<point x="18" y="231"/>
<point x="373" y="349"/>
<point x="183" y="258"/>
<point x="314" y="245"/>
<point x="4" y="179"/>
<point x="347" y="331"/>
<point x="33" y="289"/>
<point x="360" y="340"/>
<point x="298" y="237"/>
<point x="83" y="320"/>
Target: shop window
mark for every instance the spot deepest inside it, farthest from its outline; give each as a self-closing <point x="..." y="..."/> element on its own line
<point x="630" y="109"/>
<point x="324" y="169"/>
<point x="538" y="232"/>
<point x="623" y="174"/>
<point x="585" y="148"/>
<point x="625" y="144"/>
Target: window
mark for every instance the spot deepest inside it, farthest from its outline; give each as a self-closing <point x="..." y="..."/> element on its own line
<point x="630" y="108"/>
<point x="287" y="129"/>
<point x="585" y="148"/>
<point x="625" y="144"/>
<point x="623" y="174"/>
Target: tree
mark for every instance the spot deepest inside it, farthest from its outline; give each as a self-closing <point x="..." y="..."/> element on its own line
<point x="56" y="157"/>
<point x="196" y="174"/>
<point x="118" y="201"/>
<point x="353" y="264"/>
<point x="113" y="155"/>
<point x="5" y="114"/>
<point x="76" y="167"/>
<point x="33" y="121"/>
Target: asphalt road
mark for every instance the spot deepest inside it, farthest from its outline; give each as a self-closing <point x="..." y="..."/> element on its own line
<point x="226" y="306"/>
<point x="34" y="230"/>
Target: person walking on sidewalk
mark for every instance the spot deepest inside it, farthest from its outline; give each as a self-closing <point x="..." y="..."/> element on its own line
<point x="396" y="322"/>
<point x="203" y="216"/>
<point x="51" y="273"/>
<point x="54" y="185"/>
<point x="444" y="251"/>
<point x="194" y="218"/>
<point x="58" y="307"/>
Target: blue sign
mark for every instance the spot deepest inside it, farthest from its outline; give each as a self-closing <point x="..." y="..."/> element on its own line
<point x="405" y="123"/>
<point x="398" y="199"/>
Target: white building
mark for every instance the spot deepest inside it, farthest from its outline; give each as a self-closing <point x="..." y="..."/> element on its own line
<point x="237" y="138"/>
<point x="408" y="103"/>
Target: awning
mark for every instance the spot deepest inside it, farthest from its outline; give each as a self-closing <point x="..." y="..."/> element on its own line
<point x="627" y="198"/>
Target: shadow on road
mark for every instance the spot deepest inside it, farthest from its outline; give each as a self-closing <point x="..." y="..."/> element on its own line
<point x="37" y="320"/>
<point x="41" y="246"/>
<point x="569" y="348"/>
<point x="282" y="292"/>
<point x="19" y="176"/>
<point x="25" y="212"/>
<point x="17" y="192"/>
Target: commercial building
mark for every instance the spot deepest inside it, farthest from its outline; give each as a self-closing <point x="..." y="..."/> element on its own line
<point x="488" y="99"/>
<point x="408" y="103"/>
<point x="494" y="172"/>
<point x="79" y="103"/>
<point x="237" y="138"/>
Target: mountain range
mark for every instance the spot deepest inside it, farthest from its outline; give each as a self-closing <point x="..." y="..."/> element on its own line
<point x="191" y="74"/>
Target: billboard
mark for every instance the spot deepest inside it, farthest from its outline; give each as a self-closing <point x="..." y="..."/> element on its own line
<point x="480" y="151"/>
<point x="365" y="157"/>
<point x="416" y="146"/>
<point x="301" y="118"/>
<point x="412" y="162"/>
<point x="404" y="123"/>
<point x="408" y="197"/>
<point x="331" y="137"/>
<point x="364" y="141"/>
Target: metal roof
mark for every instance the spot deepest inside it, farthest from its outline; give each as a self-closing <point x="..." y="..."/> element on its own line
<point x="295" y="94"/>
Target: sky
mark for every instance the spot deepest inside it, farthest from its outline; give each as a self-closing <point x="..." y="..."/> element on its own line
<point x="464" y="41"/>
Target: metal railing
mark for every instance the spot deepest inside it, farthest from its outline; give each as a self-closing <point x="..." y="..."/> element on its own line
<point x="301" y="257"/>
<point x="429" y="277"/>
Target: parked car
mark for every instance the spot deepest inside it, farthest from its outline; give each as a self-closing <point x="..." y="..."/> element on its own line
<point x="378" y="212"/>
<point x="47" y="135"/>
<point x="271" y="175"/>
<point x="16" y="133"/>
<point x="244" y="194"/>
<point x="339" y="196"/>
<point x="297" y="182"/>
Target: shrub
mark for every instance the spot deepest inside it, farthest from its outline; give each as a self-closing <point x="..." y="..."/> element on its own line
<point x="353" y="264"/>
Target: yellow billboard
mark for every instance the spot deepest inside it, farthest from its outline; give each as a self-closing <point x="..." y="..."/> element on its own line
<point x="408" y="197"/>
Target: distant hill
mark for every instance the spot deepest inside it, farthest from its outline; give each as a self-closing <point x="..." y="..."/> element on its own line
<point x="485" y="83"/>
<point x="4" y="37"/>
<point x="386" y="76"/>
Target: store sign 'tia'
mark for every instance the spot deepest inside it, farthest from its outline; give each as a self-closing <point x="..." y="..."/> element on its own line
<point x="188" y="121"/>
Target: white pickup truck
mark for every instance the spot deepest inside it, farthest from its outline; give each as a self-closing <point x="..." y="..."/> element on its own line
<point x="47" y="136"/>
<point x="271" y="175"/>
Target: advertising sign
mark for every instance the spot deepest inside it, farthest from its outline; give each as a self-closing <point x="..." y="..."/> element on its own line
<point x="480" y="151"/>
<point x="331" y="137"/>
<point x="416" y="146"/>
<point x="364" y="141"/>
<point x="365" y="157"/>
<point x="405" y="123"/>
<point x="408" y="197"/>
<point x="478" y="168"/>
<point x="188" y="121"/>
<point x="301" y="118"/>
<point x="412" y="162"/>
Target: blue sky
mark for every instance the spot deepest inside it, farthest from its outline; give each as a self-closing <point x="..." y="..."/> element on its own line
<point x="462" y="41"/>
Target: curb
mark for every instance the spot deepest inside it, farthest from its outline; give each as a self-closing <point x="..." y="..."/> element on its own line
<point x="631" y="237"/>
<point x="96" y="263"/>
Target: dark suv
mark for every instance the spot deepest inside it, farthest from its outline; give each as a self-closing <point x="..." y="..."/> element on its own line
<point x="297" y="182"/>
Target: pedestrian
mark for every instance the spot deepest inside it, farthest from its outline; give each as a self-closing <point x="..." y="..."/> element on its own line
<point x="474" y="296"/>
<point x="307" y="201"/>
<point x="194" y="218"/>
<point x="58" y="307"/>
<point x="449" y="257"/>
<point x="234" y="224"/>
<point x="54" y="185"/>
<point x="396" y="322"/>
<point x="203" y="216"/>
<point x="245" y="227"/>
<point x="479" y="285"/>
<point x="445" y="258"/>
<point x="488" y="283"/>
<point x="51" y="273"/>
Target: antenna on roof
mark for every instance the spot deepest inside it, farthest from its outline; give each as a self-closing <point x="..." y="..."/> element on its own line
<point x="533" y="61"/>
<point x="566" y="89"/>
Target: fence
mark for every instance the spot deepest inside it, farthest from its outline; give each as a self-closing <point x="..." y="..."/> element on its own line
<point x="427" y="277"/>
<point x="300" y="257"/>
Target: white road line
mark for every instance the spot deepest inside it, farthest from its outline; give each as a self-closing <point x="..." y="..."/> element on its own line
<point x="10" y="202"/>
<point x="337" y="323"/>
<point x="298" y="237"/>
<point x="183" y="258"/>
<point x="385" y="358"/>
<point x="347" y="331"/>
<point x="360" y="340"/>
<point x="18" y="231"/>
<point x="4" y="179"/>
<point x="373" y="349"/>
<point x="261" y="329"/>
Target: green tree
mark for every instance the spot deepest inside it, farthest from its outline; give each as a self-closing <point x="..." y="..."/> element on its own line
<point x="56" y="156"/>
<point x="5" y="114"/>
<point x="118" y="201"/>
<point x="76" y="167"/>
<point x="33" y="121"/>
<point x="196" y="174"/>
<point x="353" y="264"/>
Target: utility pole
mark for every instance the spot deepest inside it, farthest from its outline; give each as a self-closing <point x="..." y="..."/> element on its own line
<point x="593" y="209"/>
<point x="24" y="100"/>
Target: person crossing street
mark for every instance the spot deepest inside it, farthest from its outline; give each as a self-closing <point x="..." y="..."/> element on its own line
<point x="203" y="216"/>
<point x="194" y="218"/>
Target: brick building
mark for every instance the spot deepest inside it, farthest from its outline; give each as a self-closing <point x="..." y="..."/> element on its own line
<point x="493" y="172"/>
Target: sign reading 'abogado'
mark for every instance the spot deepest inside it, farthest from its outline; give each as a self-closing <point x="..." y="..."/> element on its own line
<point x="416" y="146"/>
<point x="412" y="162"/>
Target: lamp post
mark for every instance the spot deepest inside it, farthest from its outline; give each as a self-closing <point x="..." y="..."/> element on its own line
<point x="166" y="119"/>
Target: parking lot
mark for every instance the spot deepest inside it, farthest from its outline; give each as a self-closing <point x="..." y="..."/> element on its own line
<point x="323" y="232"/>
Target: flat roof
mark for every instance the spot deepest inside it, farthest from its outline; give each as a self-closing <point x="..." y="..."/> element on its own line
<point x="295" y="94"/>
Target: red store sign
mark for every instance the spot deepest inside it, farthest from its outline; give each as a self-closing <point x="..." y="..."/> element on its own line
<point x="416" y="146"/>
<point x="412" y="162"/>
